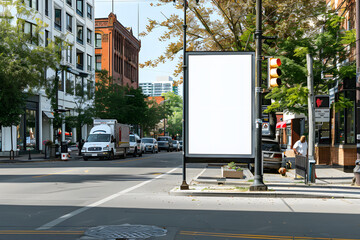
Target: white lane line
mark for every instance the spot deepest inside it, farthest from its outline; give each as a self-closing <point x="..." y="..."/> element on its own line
<point x="200" y="174"/>
<point x="102" y="201"/>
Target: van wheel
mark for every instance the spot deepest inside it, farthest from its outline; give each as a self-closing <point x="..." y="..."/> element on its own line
<point x="85" y="158"/>
<point x="153" y="151"/>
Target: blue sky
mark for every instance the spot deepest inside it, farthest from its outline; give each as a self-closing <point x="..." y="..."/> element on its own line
<point x="127" y="14"/>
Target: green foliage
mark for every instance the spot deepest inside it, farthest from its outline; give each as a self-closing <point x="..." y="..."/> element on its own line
<point x="327" y="48"/>
<point x="22" y="61"/>
<point x="232" y="165"/>
<point x="126" y="105"/>
<point x="343" y="103"/>
<point x="174" y="113"/>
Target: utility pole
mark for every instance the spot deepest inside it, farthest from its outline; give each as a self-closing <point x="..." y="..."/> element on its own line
<point x="311" y="109"/>
<point x="258" y="184"/>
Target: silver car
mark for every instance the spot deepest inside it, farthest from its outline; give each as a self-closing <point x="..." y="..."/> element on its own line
<point x="176" y="145"/>
<point x="272" y="154"/>
<point x="150" y="145"/>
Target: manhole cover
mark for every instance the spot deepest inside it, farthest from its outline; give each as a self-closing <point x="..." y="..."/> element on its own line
<point x="125" y="231"/>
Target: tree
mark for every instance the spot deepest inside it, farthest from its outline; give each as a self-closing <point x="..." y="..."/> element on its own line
<point x="229" y="25"/>
<point x="329" y="48"/>
<point x="173" y="112"/>
<point x="22" y="61"/>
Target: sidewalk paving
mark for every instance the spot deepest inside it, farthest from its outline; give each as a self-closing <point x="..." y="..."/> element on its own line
<point x="38" y="157"/>
<point x="331" y="182"/>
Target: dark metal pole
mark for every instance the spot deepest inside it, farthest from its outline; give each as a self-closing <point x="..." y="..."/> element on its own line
<point x="258" y="184"/>
<point x="184" y="185"/>
<point x="357" y="101"/>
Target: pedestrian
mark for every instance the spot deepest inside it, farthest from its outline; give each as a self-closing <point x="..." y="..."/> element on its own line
<point x="300" y="147"/>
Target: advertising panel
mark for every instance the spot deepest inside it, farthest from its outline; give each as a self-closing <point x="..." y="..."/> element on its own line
<point x="219" y="106"/>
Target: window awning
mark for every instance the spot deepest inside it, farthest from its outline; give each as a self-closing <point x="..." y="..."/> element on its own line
<point x="49" y="115"/>
<point x="281" y="125"/>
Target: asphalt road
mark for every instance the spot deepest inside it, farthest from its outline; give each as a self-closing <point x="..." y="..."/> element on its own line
<point x="62" y="200"/>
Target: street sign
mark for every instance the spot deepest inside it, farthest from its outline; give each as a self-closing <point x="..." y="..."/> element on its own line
<point x="322" y="115"/>
<point x="265" y="128"/>
<point x="322" y="101"/>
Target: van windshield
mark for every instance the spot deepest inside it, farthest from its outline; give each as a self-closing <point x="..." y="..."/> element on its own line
<point x="132" y="138"/>
<point x="99" y="138"/>
<point x="147" y="140"/>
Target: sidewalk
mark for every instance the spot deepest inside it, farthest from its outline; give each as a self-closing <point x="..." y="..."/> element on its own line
<point x="330" y="183"/>
<point x="37" y="157"/>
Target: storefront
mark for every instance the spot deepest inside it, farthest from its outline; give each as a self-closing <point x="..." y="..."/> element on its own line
<point x="28" y="129"/>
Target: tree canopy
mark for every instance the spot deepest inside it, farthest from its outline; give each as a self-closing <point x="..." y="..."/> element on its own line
<point x="23" y="60"/>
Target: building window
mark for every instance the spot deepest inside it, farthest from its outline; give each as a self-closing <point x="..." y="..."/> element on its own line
<point x="69" y="54"/>
<point x="90" y="89"/>
<point x="69" y="22"/>
<point x="69" y="2"/>
<point x="46" y="38"/>
<point x="80" y="34"/>
<point x="98" y="62"/>
<point x="57" y="19"/>
<point x="79" y="7"/>
<point x="89" y="11"/>
<point x="70" y="83"/>
<point x="97" y="40"/>
<point x="79" y="90"/>
<point x="32" y="4"/>
<point x="345" y="120"/>
<point x="88" y="36"/>
<point x="80" y="60"/>
<point x="30" y="32"/>
<point x="47" y="7"/>
<point x="89" y="62"/>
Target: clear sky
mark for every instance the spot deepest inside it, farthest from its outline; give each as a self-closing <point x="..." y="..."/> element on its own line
<point x="136" y="13"/>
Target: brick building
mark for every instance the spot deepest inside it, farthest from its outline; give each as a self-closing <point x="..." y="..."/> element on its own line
<point x="117" y="51"/>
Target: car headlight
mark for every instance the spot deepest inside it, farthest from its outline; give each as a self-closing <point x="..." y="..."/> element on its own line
<point x="106" y="148"/>
<point x="83" y="149"/>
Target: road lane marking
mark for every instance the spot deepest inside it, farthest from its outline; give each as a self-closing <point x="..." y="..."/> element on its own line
<point x="247" y="236"/>
<point x="12" y="232"/>
<point x="45" y="175"/>
<point x="102" y="201"/>
<point x="200" y="174"/>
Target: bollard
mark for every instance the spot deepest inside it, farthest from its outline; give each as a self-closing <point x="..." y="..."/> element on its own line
<point x="29" y="154"/>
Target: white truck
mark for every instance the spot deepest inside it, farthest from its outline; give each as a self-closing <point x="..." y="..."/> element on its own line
<point x="107" y="139"/>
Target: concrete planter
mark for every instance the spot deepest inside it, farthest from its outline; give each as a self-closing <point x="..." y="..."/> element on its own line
<point x="232" y="173"/>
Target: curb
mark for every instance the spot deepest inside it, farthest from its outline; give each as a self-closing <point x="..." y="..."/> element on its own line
<point x="267" y="194"/>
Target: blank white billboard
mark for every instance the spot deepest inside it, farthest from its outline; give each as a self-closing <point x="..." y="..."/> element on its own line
<point x="220" y="105"/>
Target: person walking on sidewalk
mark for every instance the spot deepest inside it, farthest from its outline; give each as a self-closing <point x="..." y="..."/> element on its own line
<point x="300" y="147"/>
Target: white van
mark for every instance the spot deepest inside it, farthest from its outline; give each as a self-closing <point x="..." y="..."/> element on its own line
<point x="107" y="139"/>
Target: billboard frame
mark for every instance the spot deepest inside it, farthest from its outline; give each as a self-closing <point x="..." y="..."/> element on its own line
<point x="219" y="158"/>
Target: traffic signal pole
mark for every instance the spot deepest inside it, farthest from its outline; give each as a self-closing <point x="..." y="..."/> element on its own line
<point x="258" y="184"/>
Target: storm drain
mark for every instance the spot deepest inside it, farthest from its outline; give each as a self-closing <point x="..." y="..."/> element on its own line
<point x="125" y="232"/>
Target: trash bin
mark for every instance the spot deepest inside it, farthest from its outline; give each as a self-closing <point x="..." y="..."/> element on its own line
<point x="357" y="172"/>
<point x="64" y="151"/>
<point x="312" y="171"/>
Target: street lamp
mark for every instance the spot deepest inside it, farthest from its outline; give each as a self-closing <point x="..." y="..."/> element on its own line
<point x="184" y="185"/>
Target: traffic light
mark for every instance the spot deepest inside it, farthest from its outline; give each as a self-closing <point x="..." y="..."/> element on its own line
<point x="274" y="72"/>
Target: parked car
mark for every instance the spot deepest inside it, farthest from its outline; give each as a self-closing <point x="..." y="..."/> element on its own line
<point x="135" y="145"/>
<point x="181" y="145"/>
<point x="165" y="143"/>
<point x="150" y="145"/>
<point x="272" y="154"/>
<point x="176" y="145"/>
